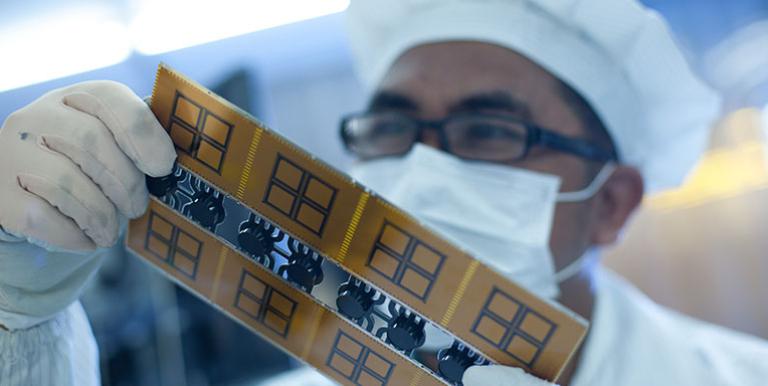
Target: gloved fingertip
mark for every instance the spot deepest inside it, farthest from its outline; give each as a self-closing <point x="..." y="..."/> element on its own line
<point x="110" y="234"/>
<point x="160" y="167"/>
<point x="139" y="206"/>
<point x="99" y="238"/>
<point x="107" y="240"/>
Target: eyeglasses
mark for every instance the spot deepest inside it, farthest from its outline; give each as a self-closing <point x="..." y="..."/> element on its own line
<point x="482" y="137"/>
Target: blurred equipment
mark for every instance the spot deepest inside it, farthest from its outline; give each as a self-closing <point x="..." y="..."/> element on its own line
<point x="701" y="248"/>
<point x="738" y="66"/>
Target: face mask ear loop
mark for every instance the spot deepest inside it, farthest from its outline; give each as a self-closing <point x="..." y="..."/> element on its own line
<point x="588" y="258"/>
<point x="589" y="191"/>
<point x="570" y="270"/>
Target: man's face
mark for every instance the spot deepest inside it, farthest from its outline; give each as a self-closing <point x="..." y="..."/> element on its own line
<point x="436" y="80"/>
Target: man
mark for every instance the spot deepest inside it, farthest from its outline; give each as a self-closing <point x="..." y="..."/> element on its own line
<point x="486" y="115"/>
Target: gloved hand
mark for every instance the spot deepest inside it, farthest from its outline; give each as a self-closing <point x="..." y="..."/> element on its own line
<point x="73" y="160"/>
<point x="73" y="165"/>
<point x="500" y="376"/>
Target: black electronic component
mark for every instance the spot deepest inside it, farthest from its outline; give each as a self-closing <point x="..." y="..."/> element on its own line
<point x="404" y="329"/>
<point x="160" y="186"/>
<point x="207" y="205"/>
<point x="455" y="360"/>
<point x="169" y="188"/>
<point x="357" y="302"/>
<point x="258" y="238"/>
<point x="304" y="266"/>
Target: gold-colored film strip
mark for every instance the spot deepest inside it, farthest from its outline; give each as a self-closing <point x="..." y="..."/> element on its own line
<point x="325" y="211"/>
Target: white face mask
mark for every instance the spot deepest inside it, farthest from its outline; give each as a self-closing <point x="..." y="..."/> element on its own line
<point x="500" y="214"/>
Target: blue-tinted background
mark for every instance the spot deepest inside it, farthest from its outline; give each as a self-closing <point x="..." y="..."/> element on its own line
<point x="298" y="78"/>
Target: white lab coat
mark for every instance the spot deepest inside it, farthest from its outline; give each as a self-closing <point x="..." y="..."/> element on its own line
<point x="636" y="342"/>
<point x="61" y="351"/>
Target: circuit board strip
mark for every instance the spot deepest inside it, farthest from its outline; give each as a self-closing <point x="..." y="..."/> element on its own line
<point x="367" y="236"/>
<point x="265" y="303"/>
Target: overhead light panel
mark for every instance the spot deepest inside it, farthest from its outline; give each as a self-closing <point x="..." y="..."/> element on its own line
<point x="166" y="25"/>
<point x="59" y="44"/>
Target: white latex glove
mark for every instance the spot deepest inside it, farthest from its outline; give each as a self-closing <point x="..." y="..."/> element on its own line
<point x="73" y="165"/>
<point x="75" y="159"/>
<point x="500" y="376"/>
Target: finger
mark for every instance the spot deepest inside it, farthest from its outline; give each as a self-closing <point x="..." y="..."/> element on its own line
<point x="94" y="216"/>
<point x="61" y="183"/>
<point x="43" y="225"/>
<point x="131" y="122"/>
<point x="90" y="145"/>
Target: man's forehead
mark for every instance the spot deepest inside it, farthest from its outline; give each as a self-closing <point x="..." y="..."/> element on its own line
<point x="497" y="100"/>
<point x="467" y="75"/>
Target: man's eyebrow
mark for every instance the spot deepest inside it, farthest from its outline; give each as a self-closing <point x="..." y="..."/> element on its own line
<point x="494" y="100"/>
<point x="385" y="100"/>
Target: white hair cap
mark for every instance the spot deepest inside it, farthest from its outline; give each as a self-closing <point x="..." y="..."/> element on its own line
<point x="619" y="55"/>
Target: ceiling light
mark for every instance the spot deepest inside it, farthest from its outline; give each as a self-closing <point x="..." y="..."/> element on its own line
<point x="60" y="44"/>
<point x="168" y="25"/>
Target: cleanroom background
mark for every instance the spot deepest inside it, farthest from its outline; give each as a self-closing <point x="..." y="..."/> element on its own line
<point x="700" y="249"/>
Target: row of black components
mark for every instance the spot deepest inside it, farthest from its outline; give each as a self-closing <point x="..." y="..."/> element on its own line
<point x="357" y="301"/>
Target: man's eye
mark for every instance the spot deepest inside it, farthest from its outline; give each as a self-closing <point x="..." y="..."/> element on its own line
<point x="484" y="132"/>
<point x="389" y="128"/>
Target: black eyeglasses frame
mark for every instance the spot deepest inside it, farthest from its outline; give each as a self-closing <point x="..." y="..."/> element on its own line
<point x="535" y="136"/>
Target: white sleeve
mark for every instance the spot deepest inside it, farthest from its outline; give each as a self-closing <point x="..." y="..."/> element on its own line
<point x="36" y="284"/>
<point x="48" y="340"/>
<point x="60" y="351"/>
